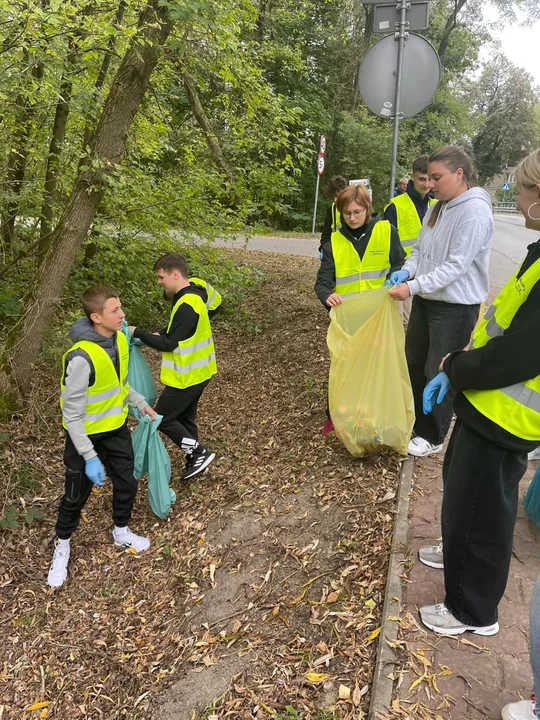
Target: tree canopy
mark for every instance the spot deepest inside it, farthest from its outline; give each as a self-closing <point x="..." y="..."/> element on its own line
<point x="131" y="117"/>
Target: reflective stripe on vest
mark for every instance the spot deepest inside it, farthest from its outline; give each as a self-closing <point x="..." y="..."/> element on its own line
<point x="194" y="360"/>
<point x="408" y="220"/>
<point x="214" y="298"/>
<point x="353" y="275"/>
<point x="107" y="398"/>
<point x="515" y="408"/>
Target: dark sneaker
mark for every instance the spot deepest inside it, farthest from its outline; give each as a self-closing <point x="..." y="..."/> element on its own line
<point x="198" y="462"/>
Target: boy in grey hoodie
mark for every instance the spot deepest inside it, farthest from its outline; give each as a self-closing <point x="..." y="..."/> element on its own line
<point x="94" y="399"/>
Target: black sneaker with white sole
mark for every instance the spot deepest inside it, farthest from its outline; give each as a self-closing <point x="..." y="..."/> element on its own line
<point x="197" y="462"/>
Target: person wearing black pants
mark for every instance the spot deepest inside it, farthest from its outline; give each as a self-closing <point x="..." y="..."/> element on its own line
<point x="447" y="277"/>
<point x="94" y="397"/>
<point x="497" y="405"/>
<point x="116" y="453"/>
<point x="435" y="329"/>
<point x="480" y="500"/>
<point x="188" y="360"/>
<point x="179" y="410"/>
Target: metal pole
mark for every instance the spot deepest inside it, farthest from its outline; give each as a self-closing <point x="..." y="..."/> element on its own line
<point x="401" y="36"/>
<point x="315" y="207"/>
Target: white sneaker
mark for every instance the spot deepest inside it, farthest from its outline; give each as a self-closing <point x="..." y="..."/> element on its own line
<point x="59" y="566"/>
<point x="439" y="619"/>
<point x="534" y="455"/>
<point x="522" y="710"/>
<point x="420" y="447"/>
<point x="123" y="537"/>
<point x="432" y="556"/>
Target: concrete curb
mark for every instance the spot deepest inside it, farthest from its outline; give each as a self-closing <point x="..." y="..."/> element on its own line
<point x="382" y="686"/>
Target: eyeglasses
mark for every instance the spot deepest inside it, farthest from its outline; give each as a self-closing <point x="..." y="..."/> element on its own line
<point x="353" y="213"/>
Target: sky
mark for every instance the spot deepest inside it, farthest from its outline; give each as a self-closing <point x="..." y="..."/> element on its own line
<point x="520" y="45"/>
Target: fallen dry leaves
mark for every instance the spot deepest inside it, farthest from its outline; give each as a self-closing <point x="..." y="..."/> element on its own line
<point x="277" y="558"/>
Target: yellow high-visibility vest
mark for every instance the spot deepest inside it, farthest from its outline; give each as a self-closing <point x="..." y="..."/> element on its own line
<point x="353" y="275"/>
<point x="194" y="360"/>
<point x="408" y="221"/>
<point x="214" y="298"/>
<point x="336" y="217"/>
<point x="515" y="408"/>
<point x="107" y="398"/>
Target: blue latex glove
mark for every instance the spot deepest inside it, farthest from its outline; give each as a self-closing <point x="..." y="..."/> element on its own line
<point x="398" y="277"/>
<point x="387" y="282"/>
<point x="439" y="386"/>
<point x="95" y="471"/>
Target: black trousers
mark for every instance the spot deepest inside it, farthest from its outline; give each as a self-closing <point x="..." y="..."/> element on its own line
<point x="179" y="409"/>
<point x="435" y="329"/>
<point x="116" y="453"/>
<point x="479" y="509"/>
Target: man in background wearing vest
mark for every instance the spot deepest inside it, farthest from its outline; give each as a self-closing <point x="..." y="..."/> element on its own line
<point x="94" y="397"/>
<point x="406" y="212"/>
<point x="332" y="219"/>
<point x="188" y="359"/>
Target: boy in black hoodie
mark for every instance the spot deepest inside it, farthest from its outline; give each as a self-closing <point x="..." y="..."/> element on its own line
<point x="188" y="360"/>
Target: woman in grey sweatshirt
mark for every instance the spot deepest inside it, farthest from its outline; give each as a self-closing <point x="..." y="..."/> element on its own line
<point x="447" y="275"/>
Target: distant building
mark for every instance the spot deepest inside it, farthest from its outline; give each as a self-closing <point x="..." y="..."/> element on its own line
<point x="507" y="176"/>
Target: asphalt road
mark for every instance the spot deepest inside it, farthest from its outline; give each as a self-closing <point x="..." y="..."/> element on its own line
<point x="508" y="250"/>
<point x="275" y="244"/>
<point x="509" y="247"/>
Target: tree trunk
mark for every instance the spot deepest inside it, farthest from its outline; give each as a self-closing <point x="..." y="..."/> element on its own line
<point x="17" y="162"/>
<point x="261" y="21"/>
<point x="53" y="160"/>
<point x="102" y="75"/>
<point x="368" y="32"/>
<point x="204" y="124"/>
<point x="450" y="26"/>
<point x="106" y="152"/>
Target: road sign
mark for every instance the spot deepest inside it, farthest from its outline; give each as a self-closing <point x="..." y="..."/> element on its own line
<point x="322" y="148"/>
<point x="386" y="17"/>
<point x="365" y="183"/>
<point x="420" y="76"/>
<point x="320" y="164"/>
<point x="506" y="186"/>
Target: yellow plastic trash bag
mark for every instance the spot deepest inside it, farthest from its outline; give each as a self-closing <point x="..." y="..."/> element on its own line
<point x="370" y="395"/>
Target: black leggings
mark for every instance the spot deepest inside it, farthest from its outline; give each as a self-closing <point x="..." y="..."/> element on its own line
<point x="435" y="329"/>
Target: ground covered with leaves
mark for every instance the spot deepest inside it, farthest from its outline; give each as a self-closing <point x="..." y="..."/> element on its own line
<point x="260" y="596"/>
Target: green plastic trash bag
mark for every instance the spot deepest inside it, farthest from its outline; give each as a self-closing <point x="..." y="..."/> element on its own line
<point x="152" y="458"/>
<point x="532" y="499"/>
<point x="139" y="374"/>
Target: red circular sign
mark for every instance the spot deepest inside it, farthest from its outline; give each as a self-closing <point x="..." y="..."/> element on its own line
<point x="320" y="164"/>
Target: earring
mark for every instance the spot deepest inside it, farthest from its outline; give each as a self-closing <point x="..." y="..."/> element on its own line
<point x="529" y="212"/>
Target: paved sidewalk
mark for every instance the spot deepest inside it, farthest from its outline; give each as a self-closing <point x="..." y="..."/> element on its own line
<point x="466" y="677"/>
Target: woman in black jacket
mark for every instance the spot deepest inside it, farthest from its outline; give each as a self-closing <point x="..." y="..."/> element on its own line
<point x="497" y="380"/>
